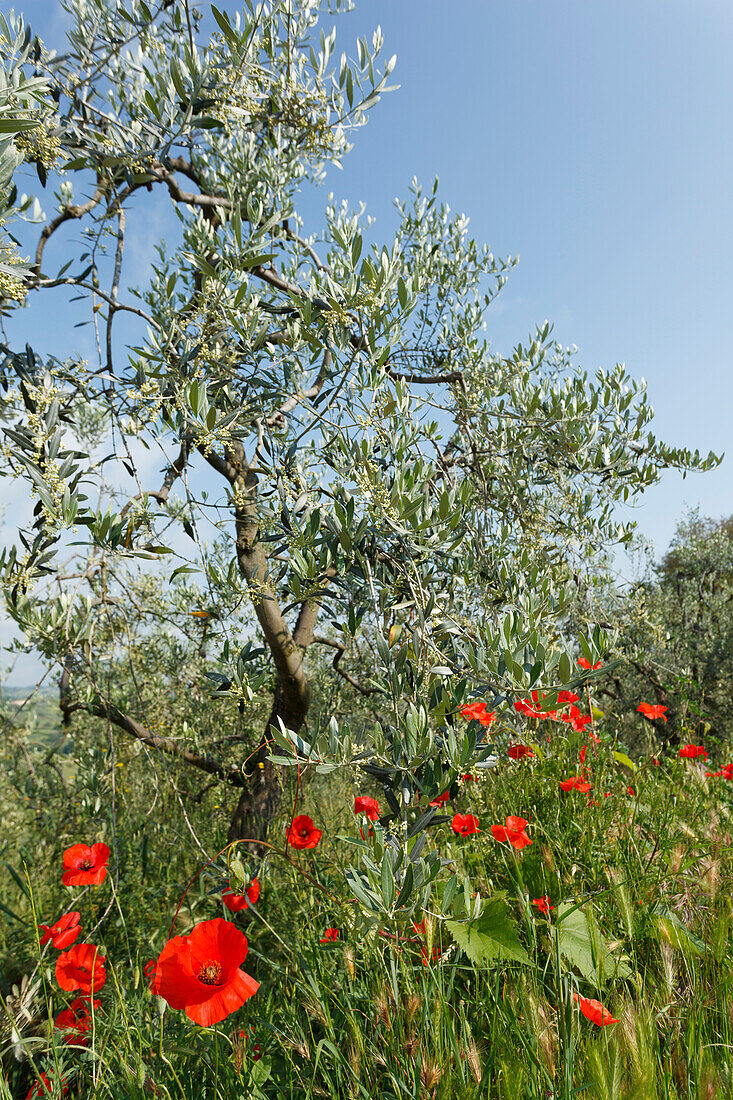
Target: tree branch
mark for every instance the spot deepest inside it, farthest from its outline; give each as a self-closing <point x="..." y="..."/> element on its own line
<point x="341" y="649"/>
<point x="101" y="709"/>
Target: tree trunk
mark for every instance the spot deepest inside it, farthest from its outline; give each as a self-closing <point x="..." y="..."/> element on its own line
<point x="260" y="801"/>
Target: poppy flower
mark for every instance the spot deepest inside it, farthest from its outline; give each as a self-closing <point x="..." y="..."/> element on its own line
<point x="581" y="754"/>
<point x="593" y="737"/>
<point x="513" y="832"/>
<point x="236" y="902"/>
<point x="631" y="793"/>
<point x="420" y="928"/>
<point x="63" y="933"/>
<point x="81" y="967"/>
<point x="441" y="799"/>
<point x="543" y="904"/>
<point x="575" y="783"/>
<point x="583" y="662"/>
<point x="77" y="1020"/>
<point x="655" y="761"/>
<point x="576" y="719"/>
<point x="567" y="697"/>
<point x="303" y="833"/>
<point x="200" y="973"/>
<point x="256" y="1048"/>
<point x="531" y="707"/>
<point x="652" y="711"/>
<point x="693" y="752"/>
<point x="43" y="1086"/>
<point x="85" y="865"/>
<point x="369" y="806"/>
<point x="436" y="953"/>
<point x="468" y="778"/>
<point x="331" y="935"/>
<point x="594" y="1011"/>
<point x="465" y="824"/>
<point x="478" y="712"/>
<point x="518" y="752"/>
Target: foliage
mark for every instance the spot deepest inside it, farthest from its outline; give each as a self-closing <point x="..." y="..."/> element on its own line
<point x="340" y="445"/>
<point x="642" y="883"/>
<point x="676" y="630"/>
<point x="346" y="445"/>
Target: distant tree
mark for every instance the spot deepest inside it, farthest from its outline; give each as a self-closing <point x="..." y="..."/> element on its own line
<point x="678" y="637"/>
<point x="338" y="443"/>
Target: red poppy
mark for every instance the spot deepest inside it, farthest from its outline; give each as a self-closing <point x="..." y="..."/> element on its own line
<point x="593" y="737"/>
<point x="85" y="865"/>
<point x="567" y="697"/>
<point x="200" y="973"/>
<point x="369" y="806"/>
<point x="331" y="935"/>
<point x="81" y="967"/>
<point x="518" y="752"/>
<point x="655" y="761"/>
<point x="236" y="902"/>
<point x="583" y="662"/>
<point x="468" y="778"/>
<point x="513" y="832"/>
<point x="441" y="799"/>
<point x="303" y="833"/>
<point x="594" y="1011"/>
<point x="41" y="1087"/>
<point x="420" y="928"/>
<point x="256" y="1048"/>
<point x="478" y="712"/>
<point x="436" y="953"/>
<point x="77" y="1020"/>
<point x="465" y="824"/>
<point x="693" y="752"/>
<point x="543" y="904"/>
<point x="631" y="792"/>
<point x="581" y="755"/>
<point x="575" y="783"/>
<point x="531" y="708"/>
<point x="576" y="719"/>
<point x="63" y="933"/>
<point x="726" y="772"/>
<point x="652" y="711"/>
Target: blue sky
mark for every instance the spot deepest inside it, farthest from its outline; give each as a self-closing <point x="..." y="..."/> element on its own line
<point x="594" y="139"/>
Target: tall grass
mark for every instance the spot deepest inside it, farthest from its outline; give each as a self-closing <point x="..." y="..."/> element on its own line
<point x="391" y="1012"/>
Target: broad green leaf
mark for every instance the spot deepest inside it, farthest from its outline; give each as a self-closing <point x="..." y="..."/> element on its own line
<point x="493" y="937"/>
<point x="622" y="758"/>
<point x="582" y="945"/>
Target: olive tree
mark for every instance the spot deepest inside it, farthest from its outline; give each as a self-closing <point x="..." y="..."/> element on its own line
<point x="342" y="453"/>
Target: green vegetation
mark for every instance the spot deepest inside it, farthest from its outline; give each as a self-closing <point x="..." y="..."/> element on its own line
<point x="386" y="1008"/>
<point x="371" y="564"/>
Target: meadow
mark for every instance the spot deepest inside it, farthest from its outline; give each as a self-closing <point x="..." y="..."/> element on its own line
<point x="590" y="958"/>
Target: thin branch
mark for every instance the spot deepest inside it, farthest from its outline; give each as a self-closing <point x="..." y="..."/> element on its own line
<point x="101" y="709"/>
<point x="67" y="214"/>
<point x="320" y="640"/>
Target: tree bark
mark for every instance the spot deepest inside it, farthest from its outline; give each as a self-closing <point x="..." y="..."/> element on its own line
<point x="292" y="696"/>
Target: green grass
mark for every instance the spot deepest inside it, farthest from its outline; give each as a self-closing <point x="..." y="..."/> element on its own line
<point x="371" y="1015"/>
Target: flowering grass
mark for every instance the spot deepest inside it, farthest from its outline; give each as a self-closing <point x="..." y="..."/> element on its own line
<point x="617" y="985"/>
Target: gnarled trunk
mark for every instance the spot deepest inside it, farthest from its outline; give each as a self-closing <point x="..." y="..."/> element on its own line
<point x="260" y="801"/>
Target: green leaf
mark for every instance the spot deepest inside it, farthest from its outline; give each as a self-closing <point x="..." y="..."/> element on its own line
<point x="493" y="937"/>
<point x="17" y="125"/>
<point x="583" y="946"/>
<point x="622" y="758"/>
